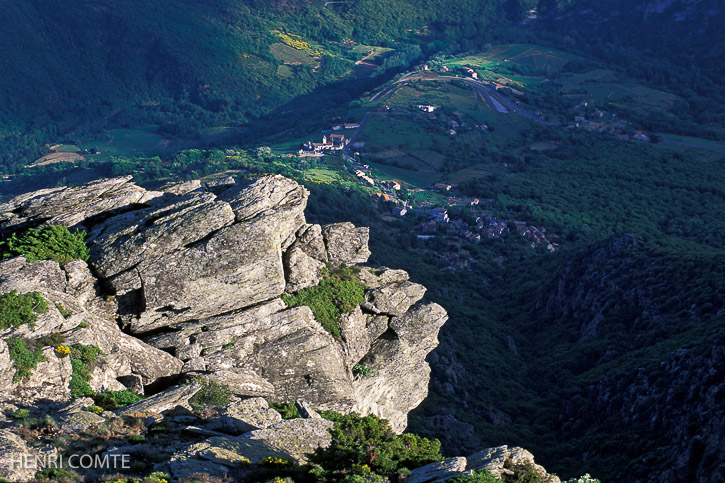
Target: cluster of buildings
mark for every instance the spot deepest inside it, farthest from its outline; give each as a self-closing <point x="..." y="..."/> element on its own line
<point x="336" y="142"/>
<point x="604" y="122"/>
<point x="438" y="222"/>
<point x="470" y="72"/>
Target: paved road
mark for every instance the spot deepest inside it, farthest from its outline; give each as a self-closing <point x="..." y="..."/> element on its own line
<point x="392" y="86"/>
<point x="346" y="150"/>
<point x="495" y="99"/>
<point x="504" y="101"/>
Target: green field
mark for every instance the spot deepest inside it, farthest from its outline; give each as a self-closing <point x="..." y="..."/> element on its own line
<point x="415" y="179"/>
<point x="132" y="142"/>
<point x="65" y="148"/>
<point x="288" y="55"/>
<point x="510" y="58"/>
<point x="628" y="94"/>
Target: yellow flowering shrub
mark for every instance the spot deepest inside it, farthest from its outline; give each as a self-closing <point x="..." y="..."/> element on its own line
<point x="62" y="351"/>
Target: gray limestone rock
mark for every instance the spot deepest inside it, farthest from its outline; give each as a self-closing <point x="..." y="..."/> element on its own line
<point x="6" y="371"/>
<point x="416" y="326"/>
<point x="246" y="415"/>
<point x="124" y="355"/>
<point x="311" y="241"/>
<point x="80" y="283"/>
<point x="240" y="266"/>
<point x="296" y="438"/>
<point x="376" y="325"/>
<point x="72" y="206"/>
<point x="199" y="275"/>
<point x="355" y="335"/>
<point x="12" y="451"/>
<point x="219" y="185"/>
<point x="78" y="421"/>
<point x="216" y="455"/>
<point x="163" y="401"/>
<point x="266" y="196"/>
<point x="291" y="351"/>
<point x="375" y="278"/>
<point x="400" y="382"/>
<point x="301" y="269"/>
<point x="19" y="274"/>
<point x="438" y="471"/>
<point x="502" y="459"/>
<point x="393" y="299"/>
<point x="142" y="236"/>
<point x="346" y="244"/>
<point x="49" y="380"/>
<point x="176" y="188"/>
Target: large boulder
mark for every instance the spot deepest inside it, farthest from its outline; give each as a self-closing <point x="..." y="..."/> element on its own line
<point x="16" y="458"/>
<point x="142" y="236"/>
<point x="393" y="299"/>
<point x="346" y="244"/>
<point x="400" y="379"/>
<point x="72" y="206"/>
<point x="438" y="471"/>
<point x="502" y="460"/>
<point x="246" y="415"/>
<point x="163" y="401"/>
<point x="296" y="438"/>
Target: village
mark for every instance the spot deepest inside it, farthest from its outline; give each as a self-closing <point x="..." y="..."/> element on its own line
<point x="461" y="221"/>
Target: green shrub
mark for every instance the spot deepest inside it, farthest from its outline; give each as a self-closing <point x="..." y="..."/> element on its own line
<point x="361" y="370"/>
<point x="338" y="293"/>
<point x="83" y="325"/>
<point x="584" y="479"/>
<point x="229" y="344"/>
<point x="526" y="473"/>
<point x="362" y="445"/>
<point x="477" y="477"/>
<point x="55" y="474"/>
<point x="288" y="410"/>
<point x="52" y="339"/>
<point x="83" y="358"/>
<point x="95" y="409"/>
<point x="20" y="414"/>
<point x="135" y="438"/>
<point x="63" y="311"/>
<point x="25" y="360"/>
<point x="50" y="242"/>
<point x="111" y="400"/>
<point x="18" y="309"/>
<point x="211" y="393"/>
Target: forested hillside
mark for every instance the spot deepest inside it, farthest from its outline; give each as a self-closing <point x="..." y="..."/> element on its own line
<point x="78" y="66"/>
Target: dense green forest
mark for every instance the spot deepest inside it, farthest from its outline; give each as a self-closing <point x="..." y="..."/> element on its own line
<point x="223" y="71"/>
<point x="73" y="68"/>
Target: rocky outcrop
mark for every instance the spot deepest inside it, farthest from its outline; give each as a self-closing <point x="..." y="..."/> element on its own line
<point x="346" y="244"/>
<point x="72" y="206"/>
<point x="292" y="440"/>
<point x="13" y="454"/>
<point x="164" y="401"/>
<point x="246" y="415"/>
<point x="501" y="462"/>
<point x="189" y="280"/>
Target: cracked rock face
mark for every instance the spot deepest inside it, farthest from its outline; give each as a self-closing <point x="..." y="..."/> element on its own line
<point x="189" y="279"/>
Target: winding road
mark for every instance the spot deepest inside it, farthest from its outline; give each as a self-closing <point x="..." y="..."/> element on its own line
<point x="493" y="98"/>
